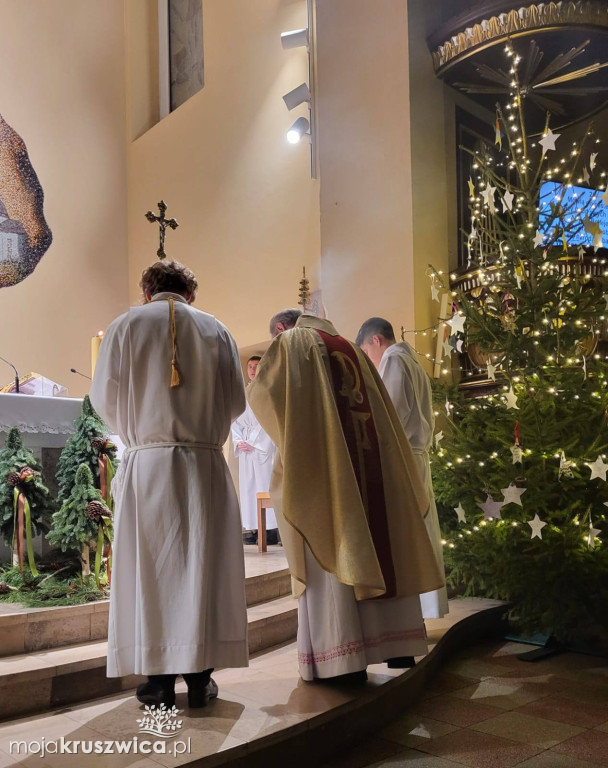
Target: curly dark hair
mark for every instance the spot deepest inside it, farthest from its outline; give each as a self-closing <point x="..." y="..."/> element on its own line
<point x="168" y="276"/>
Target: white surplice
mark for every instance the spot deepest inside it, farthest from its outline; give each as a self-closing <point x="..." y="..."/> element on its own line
<point x="338" y="635"/>
<point x="255" y="467"/>
<point x="177" y="600"/>
<point x="410" y="390"/>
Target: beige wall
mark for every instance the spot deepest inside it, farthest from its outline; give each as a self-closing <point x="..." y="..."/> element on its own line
<point x="433" y="173"/>
<point x="247" y="207"/>
<point x="365" y="161"/>
<point x="384" y="172"/>
<point x="141" y="21"/>
<point x="62" y="90"/>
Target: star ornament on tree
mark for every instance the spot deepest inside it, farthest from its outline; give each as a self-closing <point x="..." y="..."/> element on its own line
<point x="539" y="238"/>
<point x="598" y="468"/>
<point x="507" y="201"/>
<point x="548" y="141"/>
<point x="461" y="513"/>
<point x="512" y="494"/>
<point x="457" y="323"/>
<point x="491" y="508"/>
<point x="488" y="196"/>
<point x="511" y="399"/>
<point x="592" y="535"/>
<point x="491" y="371"/>
<point x="537" y="525"/>
<point x="434" y="292"/>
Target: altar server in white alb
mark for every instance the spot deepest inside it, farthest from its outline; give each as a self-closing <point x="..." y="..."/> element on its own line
<point x="168" y="381"/>
<point x="255" y="452"/>
<point x="410" y="390"/>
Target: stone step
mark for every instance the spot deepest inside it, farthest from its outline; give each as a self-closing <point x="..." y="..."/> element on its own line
<point x="35" y="681"/>
<point x="266" y="716"/>
<point x="26" y="630"/>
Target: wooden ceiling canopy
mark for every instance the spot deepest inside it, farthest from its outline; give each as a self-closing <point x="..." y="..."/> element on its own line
<point x="564" y="50"/>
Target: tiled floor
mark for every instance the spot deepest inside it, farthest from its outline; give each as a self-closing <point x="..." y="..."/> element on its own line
<point x="488" y="709"/>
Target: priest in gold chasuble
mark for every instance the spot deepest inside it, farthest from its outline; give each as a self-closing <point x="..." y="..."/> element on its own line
<point x="350" y="502"/>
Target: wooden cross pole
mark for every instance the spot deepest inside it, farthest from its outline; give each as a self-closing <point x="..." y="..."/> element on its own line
<point x="163" y="223"/>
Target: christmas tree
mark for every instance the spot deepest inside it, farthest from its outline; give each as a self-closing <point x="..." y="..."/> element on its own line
<point x="26" y="505"/>
<point x="82" y="520"/>
<point x="88" y="445"/>
<point x="520" y="471"/>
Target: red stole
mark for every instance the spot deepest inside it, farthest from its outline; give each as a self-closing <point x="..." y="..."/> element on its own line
<point x="354" y="411"/>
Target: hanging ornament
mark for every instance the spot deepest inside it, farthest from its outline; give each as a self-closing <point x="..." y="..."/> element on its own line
<point x="447" y="407"/>
<point x="548" y="141"/>
<point x="592" y="535"/>
<point x="507" y="201"/>
<point x="537" y="525"/>
<point x="598" y="468"/>
<point x="491" y="371"/>
<point x="511" y="399"/>
<point x="457" y="322"/>
<point x="592" y="160"/>
<point x="565" y="467"/>
<point x="438" y="439"/>
<point x="516" y="451"/>
<point x="512" y="494"/>
<point x="461" y="513"/>
<point x="491" y="509"/>
<point x="539" y="238"/>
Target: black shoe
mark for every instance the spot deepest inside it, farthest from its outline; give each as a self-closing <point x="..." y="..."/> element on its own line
<point x="272" y="536"/>
<point x="401" y="662"/>
<point x="201" y="688"/>
<point x="251" y="538"/>
<point x="160" y="689"/>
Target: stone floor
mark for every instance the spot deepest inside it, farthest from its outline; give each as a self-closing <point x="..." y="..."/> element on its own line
<point x="487" y="709"/>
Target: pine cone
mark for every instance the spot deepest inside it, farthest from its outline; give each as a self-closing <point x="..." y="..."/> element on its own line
<point x="4" y="588"/>
<point x="96" y="510"/>
<point x="26" y="474"/>
<point x="98" y="443"/>
<point x="13" y="479"/>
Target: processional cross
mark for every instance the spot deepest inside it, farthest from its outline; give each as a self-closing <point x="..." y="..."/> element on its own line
<point x="163" y="223"/>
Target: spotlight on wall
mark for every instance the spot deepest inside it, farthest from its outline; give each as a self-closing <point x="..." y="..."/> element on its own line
<point x="298" y="96"/>
<point x="298" y="129"/>
<point x="294" y="39"/>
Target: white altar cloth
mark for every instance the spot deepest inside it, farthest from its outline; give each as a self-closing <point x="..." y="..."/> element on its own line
<point x="44" y="421"/>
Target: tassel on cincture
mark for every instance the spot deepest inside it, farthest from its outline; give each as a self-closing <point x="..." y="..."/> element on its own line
<point x="175" y="377"/>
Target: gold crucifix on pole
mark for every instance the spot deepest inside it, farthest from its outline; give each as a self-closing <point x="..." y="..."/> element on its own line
<point x="163" y="223"/>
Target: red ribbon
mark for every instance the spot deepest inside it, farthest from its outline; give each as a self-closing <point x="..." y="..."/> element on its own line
<point x="517" y="433"/>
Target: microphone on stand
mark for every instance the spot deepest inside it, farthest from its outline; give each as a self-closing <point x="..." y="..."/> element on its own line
<point x="4" y="360"/>
<point x="73" y="370"/>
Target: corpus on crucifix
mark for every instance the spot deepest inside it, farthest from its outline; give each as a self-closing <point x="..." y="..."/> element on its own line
<point x="163" y="223"/>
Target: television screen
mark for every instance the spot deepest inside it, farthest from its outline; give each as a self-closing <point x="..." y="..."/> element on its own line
<point x="577" y="203"/>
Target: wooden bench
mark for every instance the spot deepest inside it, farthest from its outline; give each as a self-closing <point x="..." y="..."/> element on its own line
<point x="264" y="503"/>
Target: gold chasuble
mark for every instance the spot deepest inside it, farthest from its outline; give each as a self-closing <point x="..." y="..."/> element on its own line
<point x="345" y="480"/>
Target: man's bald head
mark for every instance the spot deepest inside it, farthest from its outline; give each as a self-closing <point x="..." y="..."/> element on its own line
<point x="283" y="321"/>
